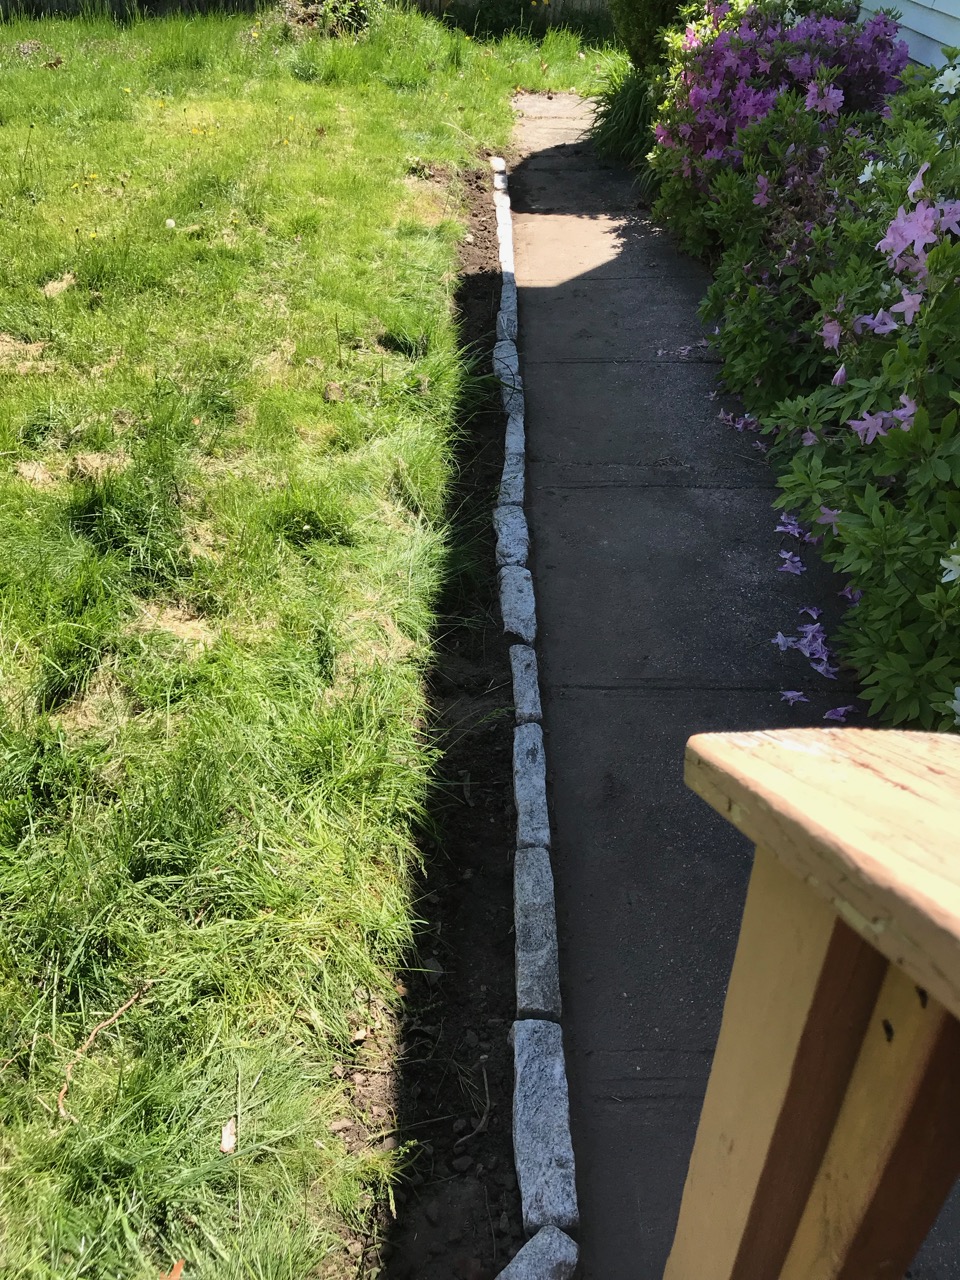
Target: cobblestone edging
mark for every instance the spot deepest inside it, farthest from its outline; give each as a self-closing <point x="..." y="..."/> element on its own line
<point x="543" y="1151"/>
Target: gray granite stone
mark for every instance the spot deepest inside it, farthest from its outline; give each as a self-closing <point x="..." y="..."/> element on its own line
<point x="508" y="292"/>
<point x="550" y="1255"/>
<point x="530" y="787"/>
<point x="543" y="1152"/>
<point x="515" y="441"/>
<point x="498" y="164"/>
<point x="512" y="396"/>
<point x="517" y="603"/>
<point x="507" y="324"/>
<point x="535" y="928"/>
<point x="526" y="688"/>
<point x="513" y="538"/>
<point x="506" y="362"/>
<point x="512" y="480"/>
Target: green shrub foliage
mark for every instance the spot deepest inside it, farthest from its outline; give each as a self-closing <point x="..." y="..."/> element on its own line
<point x="639" y="24"/>
<point x="833" y="220"/>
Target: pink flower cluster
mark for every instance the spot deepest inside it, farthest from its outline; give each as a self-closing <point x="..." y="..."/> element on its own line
<point x="907" y="242"/>
<point x="733" y="75"/>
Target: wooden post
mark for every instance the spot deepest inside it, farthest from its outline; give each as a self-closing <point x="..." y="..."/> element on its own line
<point x="830" y="1132"/>
<point x="801" y="993"/>
<point x="895" y="1151"/>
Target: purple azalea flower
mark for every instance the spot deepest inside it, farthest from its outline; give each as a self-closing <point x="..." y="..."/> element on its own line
<point x="828" y="515"/>
<point x="827" y="99"/>
<point x="791" y="563"/>
<point x="905" y="415"/>
<point x="811" y="611"/>
<point x="762" y="198"/>
<point x="840" y="377"/>
<point x="831" y="333"/>
<point x="883" y="323"/>
<point x="808" y="438"/>
<point x="813" y="645"/>
<point x="838" y="713"/>
<point x="916" y="230"/>
<point x="789" y="524"/>
<point x="824" y="668"/>
<point x="916" y="186"/>
<point x="949" y="213"/>
<point x="868" y="427"/>
<point x="852" y="593"/>
<point x="793" y="696"/>
<point x="783" y="642"/>
<point x="909" y="306"/>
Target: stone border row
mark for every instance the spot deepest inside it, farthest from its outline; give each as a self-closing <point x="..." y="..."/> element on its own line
<point x="543" y="1151"/>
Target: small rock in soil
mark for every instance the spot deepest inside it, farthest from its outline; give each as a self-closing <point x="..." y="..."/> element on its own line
<point x="462" y="1163"/>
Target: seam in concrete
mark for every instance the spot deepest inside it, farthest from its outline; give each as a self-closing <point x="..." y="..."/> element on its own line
<point x="543" y="1149"/>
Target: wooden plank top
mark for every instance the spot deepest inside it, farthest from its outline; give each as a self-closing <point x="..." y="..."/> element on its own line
<point x="869" y="818"/>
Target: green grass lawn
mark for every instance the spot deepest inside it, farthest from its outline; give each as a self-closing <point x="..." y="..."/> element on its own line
<point x="229" y="388"/>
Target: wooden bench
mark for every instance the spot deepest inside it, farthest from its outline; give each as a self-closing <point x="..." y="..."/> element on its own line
<point x="830" y="1132"/>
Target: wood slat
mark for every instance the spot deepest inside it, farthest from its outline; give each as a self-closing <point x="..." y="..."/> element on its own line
<point x="802" y="991"/>
<point x="895" y="1152"/>
<point x="870" y="819"/>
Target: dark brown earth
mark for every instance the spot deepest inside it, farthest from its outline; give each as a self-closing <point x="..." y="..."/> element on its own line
<point x="458" y="1213"/>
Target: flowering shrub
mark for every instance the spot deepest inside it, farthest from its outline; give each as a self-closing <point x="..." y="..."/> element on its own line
<point x="835" y="224"/>
<point x="733" y="66"/>
<point x="872" y="452"/>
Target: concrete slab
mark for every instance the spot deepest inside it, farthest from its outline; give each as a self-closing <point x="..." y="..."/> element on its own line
<point x="588" y="319"/>
<point x="658" y="416"/>
<point x="679" y="586"/>
<point x="534" y="189"/>
<point x="657" y="602"/>
<point x="564" y="107"/>
<point x="551" y="248"/>
<point x="649" y="886"/>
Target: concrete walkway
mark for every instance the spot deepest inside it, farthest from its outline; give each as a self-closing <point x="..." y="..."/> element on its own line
<point x="655" y="569"/>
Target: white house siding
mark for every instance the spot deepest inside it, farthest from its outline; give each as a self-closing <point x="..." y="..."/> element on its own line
<point x="926" y="27"/>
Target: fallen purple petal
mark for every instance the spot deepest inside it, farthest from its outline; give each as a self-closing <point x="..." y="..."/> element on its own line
<point x="838" y="713"/>
<point x="791" y="525"/>
<point x="791" y="563"/>
<point x="793" y="696"/>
